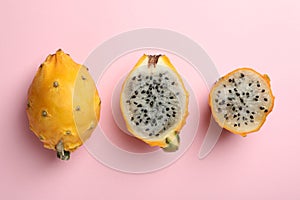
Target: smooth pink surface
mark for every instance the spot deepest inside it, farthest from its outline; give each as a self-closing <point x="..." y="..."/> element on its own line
<point x="234" y="33"/>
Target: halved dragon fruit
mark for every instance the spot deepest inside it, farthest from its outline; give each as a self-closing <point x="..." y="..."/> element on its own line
<point x="241" y="100"/>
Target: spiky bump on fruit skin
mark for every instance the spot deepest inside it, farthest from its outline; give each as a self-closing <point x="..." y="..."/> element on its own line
<point x="154" y="102"/>
<point x="241" y="100"/>
<point x="62" y="106"/>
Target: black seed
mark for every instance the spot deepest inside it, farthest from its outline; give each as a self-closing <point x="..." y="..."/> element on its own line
<point x="44" y="113"/>
<point x="82" y="77"/>
<point x="216" y="100"/>
<point x="168" y="115"/>
<point x="219" y="110"/>
<point x="133" y="78"/>
<point x="233" y="108"/>
<point x="230" y="99"/>
<point x="239" y="124"/>
<point x="257" y="96"/>
<point x="159" y="103"/>
<point x="230" y="80"/>
<point x="133" y="96"/>
<point x="239" y="114"/>
<point x="145" y="111"/>
<point x="173" y="115"/>
<point x="173" y="83"/>
<point x="266" y="110"/>
<point x="237" y="94"/>
<point x="139" y="79"/>
<point x="250" y="84"/>
<point x="247" y="111"/>
<point x="147" y="129"/>
<point x="263" y="90"/>
<point x="233" y="80"/>
<point x="242" y="100"/>
<point x="224" y="85"/>
<point x="138" y="117"/>
<point x="230" y="91"/>
<point x="157" y="134"/>
<point x="245" y="123"/>
<point x="235" y="125"/>
<point x="145" y="115"/>
<point x="228" y="104"/>
<point x="265" y="99"/>
<point x="247" y="93"/>
<point x="234" y="116"/>
<point x="136" y="92"/>
<point x="167" y="109"/>
<point x="251" y="117"/>
<point x="151" y="77"/>
<point x="262" y="108"/>
<point x="171" y="97"/>
<point x="235" y="89"/>
<point x="219" y="91"/>
<point x="166" y="78"/>
<point x="258" y="85"/>
<point x="252" y="121"/>
<point x="255" y="99"/>
<point x="242" y="75"/>
<point x="243" y="93"/>
<point x="150" y="134"/>
<point x="55" y="84"/>
<point x="240" y="108"/>
<point x="172" y="108"/>
<point x="160" y="75"/>
<point x="139" y="76"/>
<point x="137" y="123"/>
<point x="135" y="102"/>
<point x="140" y="120"/>
<point x="151" y="104"/>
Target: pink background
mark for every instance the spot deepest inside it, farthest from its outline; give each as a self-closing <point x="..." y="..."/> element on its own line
<point x="234" y="33"/>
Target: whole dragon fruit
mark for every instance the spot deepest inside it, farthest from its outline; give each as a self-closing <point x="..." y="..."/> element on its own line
<point x="63" y="104"/>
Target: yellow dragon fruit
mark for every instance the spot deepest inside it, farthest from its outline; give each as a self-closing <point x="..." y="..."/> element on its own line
<point x="63" y="104"/>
